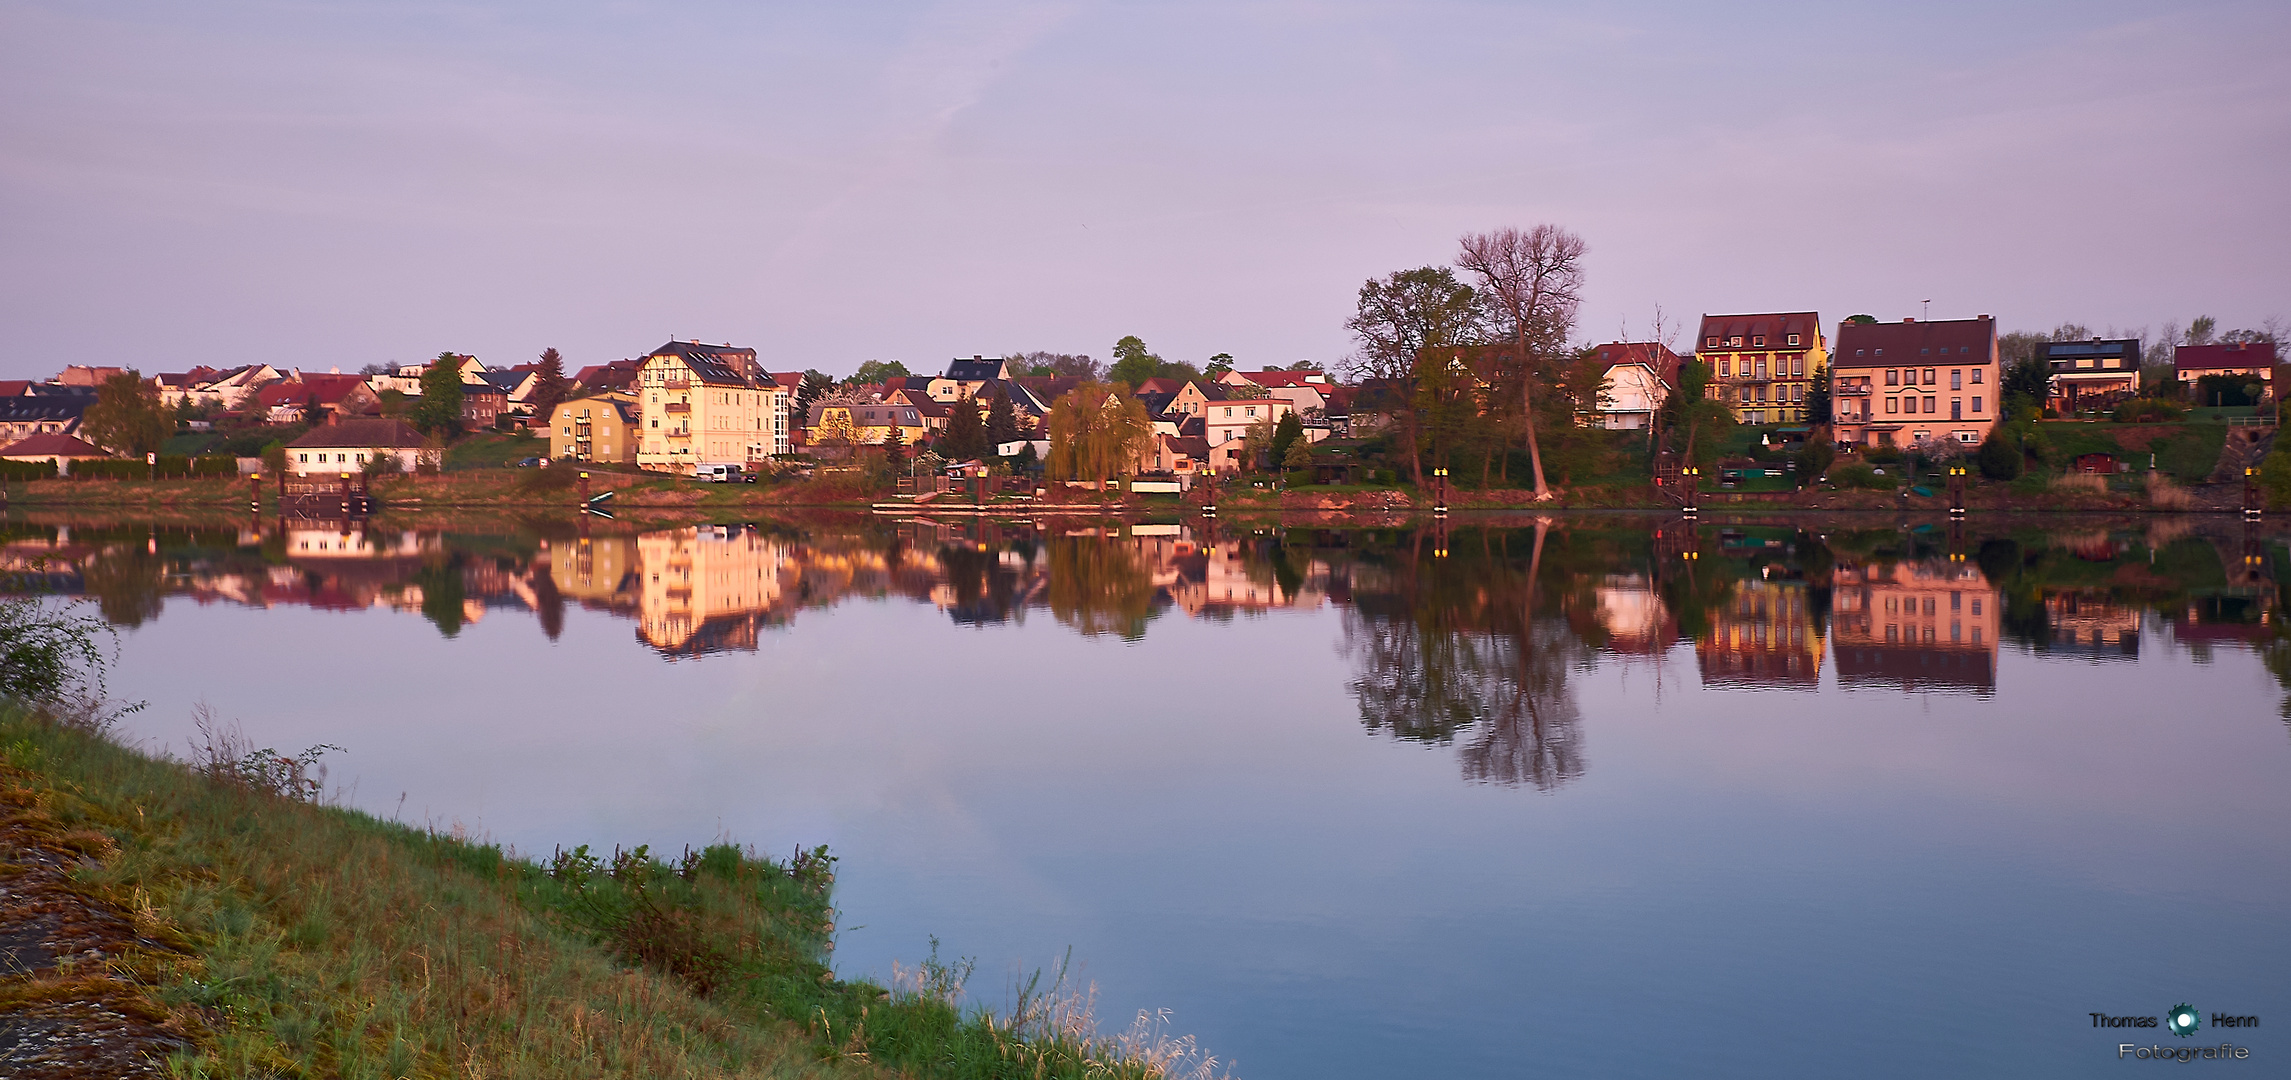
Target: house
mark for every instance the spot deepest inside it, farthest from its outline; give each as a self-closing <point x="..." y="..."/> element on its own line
<point x="482" y="404"/>
<point x="346" y="446"/>
<point x="2092" y="374"/>
<point x="1763" y="365"/>
<point x="516" y="385"/>
<point x="970" y="377"/>
<point x="1639" y="378"/>
<point x="600" y="427"/>
<point x="1182" y="456"/>
<point x="1307" y="392"/>
<point x="864" y="423"/>
<point x="24" y="417"/>
<point x="205" y="386"/>
<point x="316" y="398"/>
<point x="2254" y="360"/>
<point x="1904" y="383"/>
<point x="50" y="446"/>
<point x="708" y="403"/>
<point x="80" y="375"/>
<point x="2095" y="463"/>
<point x="618" y="375"/>
<point x="934" y="413"/>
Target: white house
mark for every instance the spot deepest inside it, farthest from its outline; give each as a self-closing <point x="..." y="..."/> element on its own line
<point x="349" y="445"/>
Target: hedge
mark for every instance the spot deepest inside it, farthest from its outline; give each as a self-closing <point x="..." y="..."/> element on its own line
<point x="27" y="470"/>
<point x="168" y="466"/>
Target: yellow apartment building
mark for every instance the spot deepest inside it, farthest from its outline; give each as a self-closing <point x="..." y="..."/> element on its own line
<point x="602" y="427"/>
<point x="705" y="404"/>
<point x="1763" y="365"/>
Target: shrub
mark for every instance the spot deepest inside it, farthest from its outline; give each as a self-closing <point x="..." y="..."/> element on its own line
<point x="1859" y="476"/>
<point x="2080" y="482"/>
<point x="2275" y="480"/>
<point x="2149" y="411"/>
<point x="27" y="470"/>
<point x="2000" y="456"/>
<point x="1814" y="460"/>
<point x="1882" y="455"/>
<point x="2165" y="495"/>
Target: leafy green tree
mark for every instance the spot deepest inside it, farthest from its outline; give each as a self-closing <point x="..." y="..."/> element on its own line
<point x="549" y="386"/>
<point x="1298" y="456"/>
<point x="2027" y="385"/>
<point x="1218" y="365"/>
<point x="895" y="449"/>
<point x="126" y="417"/>
<point x="1097" y="431"/>
<point x="439" y="411"/>
<point x="1133" y="364"/>
<point x="1866" y="320"/>
<point x="965" y="437"/>
<point x="1697" y="422"/>
<point x="1398" y="318"/>
<point x="1001" y="417"/>
<point x="815" y="385"/>
<point x="877" y="371"/>
<point x="1286" y="434"/>
<point x="2000" y="455"/>
<point x="1818" y="397"/>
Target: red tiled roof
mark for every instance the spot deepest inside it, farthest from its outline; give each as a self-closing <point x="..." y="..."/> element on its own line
<point x="325" y="389"/>
<point x="50" y="444"/>
<point x="1654" y="354"/>
<point x="2255" y="354"/>
<point x="361" y="434"/>
<point x="15" y="387"/>
<point x="1775" y="327"/>
<point x="1907" y="342"/>
<point x="1271" y="379"/>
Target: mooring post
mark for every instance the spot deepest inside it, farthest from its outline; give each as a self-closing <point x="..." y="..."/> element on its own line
<point x="1956" y="491"/>
<point x="255" y="492"/>
<point x="2251" y="500"/>
<point x="584" y="489"/>
<point x="345" y="502"/>
<point x="1688" y="483"/>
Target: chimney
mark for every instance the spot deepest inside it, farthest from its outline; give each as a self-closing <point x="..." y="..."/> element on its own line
<point x="1908" y="320"/>
<point x="1984" y="318"/>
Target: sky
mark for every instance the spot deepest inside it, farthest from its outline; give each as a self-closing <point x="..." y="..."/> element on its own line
<point x="335" y="185"/>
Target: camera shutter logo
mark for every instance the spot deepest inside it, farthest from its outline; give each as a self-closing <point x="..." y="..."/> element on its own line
<point x="2183" y="1020"/>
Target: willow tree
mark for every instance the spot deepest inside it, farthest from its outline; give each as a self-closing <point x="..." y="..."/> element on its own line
<point x="1097" y="431"/>
<point x="1532" y="281"/>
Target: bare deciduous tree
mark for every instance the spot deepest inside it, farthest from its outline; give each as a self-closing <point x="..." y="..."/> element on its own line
<point x="1532" y="281"/>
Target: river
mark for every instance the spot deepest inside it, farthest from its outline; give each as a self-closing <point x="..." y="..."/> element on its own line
<point x="1588" y="795"/>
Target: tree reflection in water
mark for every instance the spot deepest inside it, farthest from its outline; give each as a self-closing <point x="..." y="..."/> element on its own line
<point x="1099" y="586"/>
<point x="1456" y="652"/>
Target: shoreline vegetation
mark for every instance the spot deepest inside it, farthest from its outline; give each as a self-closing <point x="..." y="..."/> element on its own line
<point x="219" y="918"/>
<point x="511" y="489"/>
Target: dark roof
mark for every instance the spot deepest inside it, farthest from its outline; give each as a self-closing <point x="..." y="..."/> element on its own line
<point x="2223" y="357"/>
<point x="509" y="380"/>
<point x="58" y="390"/>
<point x="1156" y="401"/>
<point x="20" y="409"/>
<point x="2107" y="354"/>
<point x="613" y="376"/>
<point x="1775" y="327"/>
<point x="717" y="365"/>
<point x="388" y="433"/>
<point x="1044" y="389"/>
<point x="976" y="369"/>
<point x="324" y="389"/>
<point x="51" y="444"/>
<point x="1194" y="447"/>
<point x="1898" y="344"/>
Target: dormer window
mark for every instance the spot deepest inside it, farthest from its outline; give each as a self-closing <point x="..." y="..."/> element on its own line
<point x="1793" y="339"/>
<point x="1710" y="342"/>
<point x="1734" y="342"/>
<point x="1758" y="341"/>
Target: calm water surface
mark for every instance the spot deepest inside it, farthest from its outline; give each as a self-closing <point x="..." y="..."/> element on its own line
<point x="1592" y="797"/>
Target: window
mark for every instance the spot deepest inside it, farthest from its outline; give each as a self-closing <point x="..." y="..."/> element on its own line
<point x="1976" y="376"/>
<point x="1956" y="378"/>
<point x="1881" y="352"/>
<point x="1931" y="403"/>
<point x="1798" y="366"/>
<point x="1929" y="377"/>
<point x="1758" y="341"/>
<point x="1976" y="404"/>
<point x="656" y="422"/>
<point x="1956" y="408"/>
<point x="1734" y="342"/>
<point x="361" y="459"/>
<point x="568" y="429"/>
<point x="303" y="458"/>
<point x="1229" y="411"/>
<point x="1892" y="377"/>
<point x="1725" y="368"/>
<point x="1761" y="367"/>
<point x="1858" y="352"/>
<point x="1793" y="339"/>
<point x="1892" y="405"/>
<point x="1252" y="410"/>
<point x="1710" y="342"/>
<point x="1927" y="352"/>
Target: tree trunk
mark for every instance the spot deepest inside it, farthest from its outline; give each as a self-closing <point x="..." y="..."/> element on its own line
<point x="1527" y="416"/>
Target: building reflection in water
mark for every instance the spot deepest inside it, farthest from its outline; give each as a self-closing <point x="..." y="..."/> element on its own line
<point x="1929" y="624"/>
<point x="2090" y="625"/>
<point x="1763" y="638"/>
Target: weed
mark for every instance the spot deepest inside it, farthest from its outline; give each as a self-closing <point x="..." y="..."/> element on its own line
<point x="2091" y="482"/>
<point x="224" y="753"/>
<point x="2163" y="494"/>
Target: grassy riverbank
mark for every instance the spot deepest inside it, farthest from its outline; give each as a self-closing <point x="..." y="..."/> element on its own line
<point x="266" y="934"/>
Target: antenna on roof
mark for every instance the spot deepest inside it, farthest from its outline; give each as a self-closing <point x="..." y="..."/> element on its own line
<point x="1928" y="316"/>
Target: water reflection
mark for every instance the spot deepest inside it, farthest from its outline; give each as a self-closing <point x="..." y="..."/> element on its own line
<point x="1464" y="637"/>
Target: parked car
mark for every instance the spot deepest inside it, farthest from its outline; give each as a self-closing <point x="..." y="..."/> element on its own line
<point x="529" y="463"/>
<point x="723" y="473"/>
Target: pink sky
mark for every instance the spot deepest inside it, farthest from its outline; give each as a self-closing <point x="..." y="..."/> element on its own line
<point x="340" y="185"/>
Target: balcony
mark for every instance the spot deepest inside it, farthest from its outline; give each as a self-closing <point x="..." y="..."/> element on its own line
<point x="676" y="383"/>
<point x="678" y="433"/>
<point x="675" y="407"/>
<point x="1850" y="391"/>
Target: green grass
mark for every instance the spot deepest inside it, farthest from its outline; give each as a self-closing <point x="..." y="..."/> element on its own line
<point x="490" y="450"/>
<point x="311" y="940"/>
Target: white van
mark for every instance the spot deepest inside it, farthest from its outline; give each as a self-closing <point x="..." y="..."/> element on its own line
<point x="721" y="473"/>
